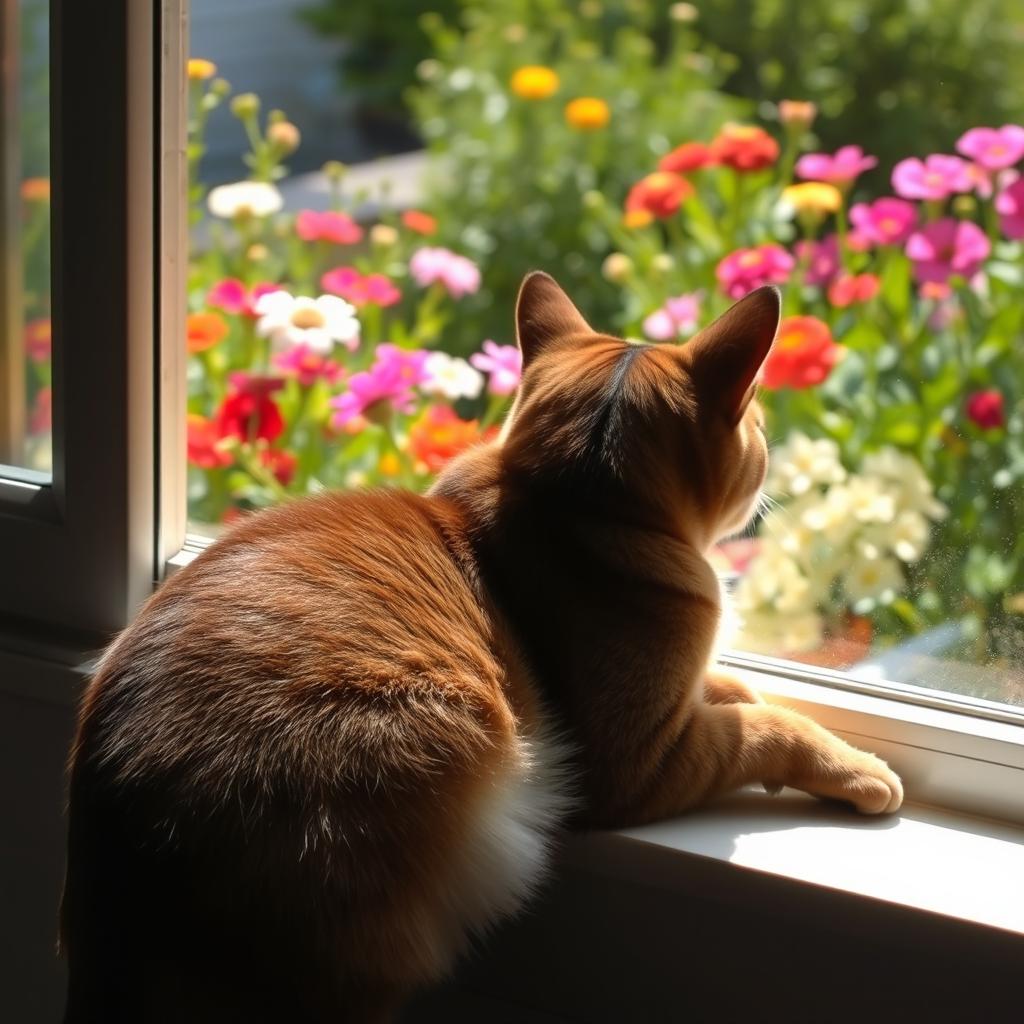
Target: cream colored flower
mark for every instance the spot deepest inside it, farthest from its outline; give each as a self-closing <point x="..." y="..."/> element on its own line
<point x="912" y="488"/>
<point x="290" y="320"/>
<point x="772" y="633"/>
<point x="831" y="518"/>
<point x="801" y="463"/>
<point x="868" y="500"/>
<point x="451" y="377"/>
<point x="244" y="199"/>
<point x="872" y="579"/>
<point x="907" y="537"/>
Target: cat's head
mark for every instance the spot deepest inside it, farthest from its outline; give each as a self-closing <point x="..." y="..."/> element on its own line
<point x="668" y="435"/>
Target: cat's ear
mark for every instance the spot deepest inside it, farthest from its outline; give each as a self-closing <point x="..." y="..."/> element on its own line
<point x="726" y="356"/>
<point x="544" y="314"/>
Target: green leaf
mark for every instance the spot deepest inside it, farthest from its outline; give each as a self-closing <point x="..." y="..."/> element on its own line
<point x="896" y="285"/>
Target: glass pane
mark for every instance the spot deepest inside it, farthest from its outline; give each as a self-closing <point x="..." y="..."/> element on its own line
<point x="661" y="160"/>
<point x="25" y="364"/>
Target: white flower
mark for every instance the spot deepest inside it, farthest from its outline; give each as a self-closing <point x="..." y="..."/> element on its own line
<point x="290" y="320"/>
<point x="872" y="579"/>
<point x="248" y="198"/>
<point x="774" y="579"/>
<point x="451" y="376"/>
<point x="770" y="633"/>
<point x="831" y="518"/>
<point x="907" y="537"/>
<point x="801" y="463"/>
<point x="911" y="485"/>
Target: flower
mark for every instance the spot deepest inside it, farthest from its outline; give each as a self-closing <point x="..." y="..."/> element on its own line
<point x="994" y="149"/>
<point x="248" y="412"/>
<point x="803" y="354"/>
<point x="985" y="409"/>
<point x="903" y="475"/>
<point x="203" y="443"/>
<point x="327" y="226"/>
<point x="659" y="194"/>
<point x="744" y="148"/>
<point x="458" y="275"/>
<point x="232" y="295"/>
<point x="587" y="113"/>
<point x="383" y="235"/>
<point x="946" y="247"/>
<point x="938" y="177"/>
<point x="35" y="190"/>
<point x="873" y="579"/>
<point x="244" y="199"/>
<point x="886" y="221"/>
<point x="690" y="156"/>
<point x="503" y="364"/>
<point x="199" y="70"/>
<point x="451" y="377"/>
<point x="802" y="463"/>
<point x="819" y="259"/>
<point x="797" y="114"/>
<point x="617" y="267"/>
<point x="847" y="289"/>
<point x="534" y="82"/>
<point x="41" y="419"/>
<point x="204" y="330"/>
<point x="419" y="222"/>
<point x="907" y="536"/>
<point x="814" y="197"/>
<point x="841" y="168"/>
<point x="387" y="384"/>
<point x="773" y="578"/>
<point x="438" y="435"/>
<point x="633" y="219"/>
<point x="307" y="365"/>
<point x="284" y="136"/>
<point x="38" y="339"/>
<point x="1010" y="207"/>
<point x="298" y="319"/>
<point x="746" y="269"/>
<point x="281" y="463"/>
<point x="676" y="318"/>
<point x="360" y="290"/>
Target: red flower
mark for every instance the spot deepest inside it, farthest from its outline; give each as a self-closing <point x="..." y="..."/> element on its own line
<point x="985" y="408"/>
<point x="690" y="156"/>
<point x="38" y="338"/>
<point x="248" y="412"/>
<point x="439" y="435"/>
<point x="659" y="194"/>
<point x="850" y="288"/>
<point x="204" y="331"/>
<point x="744" y="147"/>
<point x="803" y="354"/>
<point x="420" y="222"/>
<point x="281" y="463"/>
<point x="203" y="438"/>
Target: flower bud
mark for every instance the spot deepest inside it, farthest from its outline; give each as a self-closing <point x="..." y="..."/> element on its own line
<point x="683" y="13"/>
<point x="797" y="115"/>
<point x="335" y="170"/>
<point x="383" y="236"/>
<point x="245" y="105"/>
<point x="220" y="87"/>
<point x="284" y="136"/>
<point x="662" y="263"/>
<point x="617" y="268"/>
<point x="257" y="253"/>
<point x="593" y="200"/>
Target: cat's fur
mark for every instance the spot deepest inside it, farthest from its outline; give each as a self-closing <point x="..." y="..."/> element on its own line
<point x="338" y="743"/>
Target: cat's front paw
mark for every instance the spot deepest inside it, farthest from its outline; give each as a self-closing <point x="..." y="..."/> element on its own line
<point x="871" y="786"/>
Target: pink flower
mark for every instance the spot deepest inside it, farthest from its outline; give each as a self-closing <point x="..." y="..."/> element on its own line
<point x="821" y="259"/>
<point x="995" y="149"/>
<point x="985" y="409"/>
<point x="327" y="226"/>
<point x="1010" y="207"/>
<point x="938" y="177"/>
<point x="850" y="288"/>
<point x="232" y="296"/>
<point x="947" y="247"/>
<point x="676" y="318"/>
<point x="360" y="290"/>
<point x="502" y="363"/>
<point x="458" y="275"/>
<point x="387" y="385"/>
<point x="746" y="269"/>
<point x="301" y="362"/>
<point x="841" y="168"/>
<point x="885" y="221"/>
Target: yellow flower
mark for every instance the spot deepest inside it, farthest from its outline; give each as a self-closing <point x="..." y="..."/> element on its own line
<point x="389" y="465"/>
<point x="637" y="218"/>
<point x="587" y="113"/>
<point x="812" y="197"/>
<point x="534" y="82"/>
<point x="199" y="69"/>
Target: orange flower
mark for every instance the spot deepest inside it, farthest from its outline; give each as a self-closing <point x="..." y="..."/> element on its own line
<point x="281" y="463"/>
<point x="199" y="69"/>
<point x="439" y="435"/>
<point x="36" y="190"/>
<point x="420" y="222"/>
<point x="847" y="289"/>
<point x="534" y="82"/>
<point x="204" y="331"/>
<point x="38" y="339"/>
<point x="690" y="156"/>
<point x="660" y="194"/>
<point x="588" y="113"/>
<point x="204" y="439"/>
<point x="797" y="114"/>
<point x="637" y="218"/>
<point x="744" y="147"/>
<point x="803" y="354"/>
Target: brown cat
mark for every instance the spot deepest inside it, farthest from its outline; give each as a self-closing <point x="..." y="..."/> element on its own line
<point x="339" y="742"/>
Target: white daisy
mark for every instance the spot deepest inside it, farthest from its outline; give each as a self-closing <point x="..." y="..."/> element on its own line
<point x="801" y="463"/>
<point x="244" y="198"/>
<point x="451" y="377"/>
<point x="290" y="320"/>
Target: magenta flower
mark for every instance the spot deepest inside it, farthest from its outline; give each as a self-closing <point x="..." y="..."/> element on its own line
<point x="359" y="289"/>
<point x="746" y="269"/>
<point x="458" y="275"/>
<point x="327" y="226"/>
<point x="675" y="319"/>
<point x="502" y="363"/>
<point x="938" y="177"/>
<point x="1010" y="207"/>
<point x="307" y="366"/>
<point x="841" y="168"/>
<point x="994" y="149"/>
<point x="232" y="295"/>
<point x="947" y="247"/>
<point x="885" y="221"/>
<point x="388" y="384"/>
<point x="821" y="259"/>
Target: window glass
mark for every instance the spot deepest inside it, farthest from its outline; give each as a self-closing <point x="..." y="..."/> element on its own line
<point x="371" y="186"/>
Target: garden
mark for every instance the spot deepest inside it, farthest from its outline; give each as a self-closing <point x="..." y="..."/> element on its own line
<point x="362" y="344"/>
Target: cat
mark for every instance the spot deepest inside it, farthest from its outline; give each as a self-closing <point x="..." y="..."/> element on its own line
<point x="341" y="741"/>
